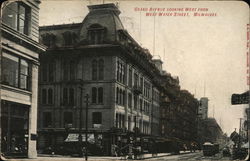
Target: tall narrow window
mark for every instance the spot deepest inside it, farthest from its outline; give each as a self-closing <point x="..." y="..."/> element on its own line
<point x="72" y="70"/>
<point x="65" y="70"/>
<point x="101" y="69"/>
<point x="50" y="96"/>
<point x="117" y="95"/>
<point x="94" y="94"/>
<point x="100" y="95"/>
<point x="71" y="96"/>
<point x="94" y="70"/>
<point x="129" y="100"/>
<point x="44" y="71"/>
<point x="24" y="74"/>
<point x="135" y="102"/>
<point x="44" y="96"/>
<point x="65" y="96"/>
<point x="123" y="93"/>
<point x="51" y="70"/>
<point x="130" y="78"/>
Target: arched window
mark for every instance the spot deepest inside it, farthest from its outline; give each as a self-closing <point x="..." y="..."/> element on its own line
<point x="94" y="94"/>
<point x="50" y="96"/>
<point x="101" y="69"/>
<point x="100" y="95"/>
<point x="94" y="70"/>
<point x="96" y="34"/>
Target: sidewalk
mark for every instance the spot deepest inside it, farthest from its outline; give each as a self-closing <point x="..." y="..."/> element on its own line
<point x="92" y="158"/>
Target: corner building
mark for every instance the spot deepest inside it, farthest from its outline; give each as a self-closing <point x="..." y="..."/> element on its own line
<point x="99" y="56"/>
<point x="19" y="77"/>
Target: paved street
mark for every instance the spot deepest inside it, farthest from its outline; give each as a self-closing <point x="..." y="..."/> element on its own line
<point x="159" y="157"/>
<point x="192" y="156"/>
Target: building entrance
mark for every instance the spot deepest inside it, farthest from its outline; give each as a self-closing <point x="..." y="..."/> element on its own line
<point x="14" y="125"/>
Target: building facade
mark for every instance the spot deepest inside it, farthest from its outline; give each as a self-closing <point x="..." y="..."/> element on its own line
<point x="19" y="77"/>
<point x="100" y="59"/>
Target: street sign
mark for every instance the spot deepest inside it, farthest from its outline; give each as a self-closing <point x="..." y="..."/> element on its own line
<point x="237" y="99"/>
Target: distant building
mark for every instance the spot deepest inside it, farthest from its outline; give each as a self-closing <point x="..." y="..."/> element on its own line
<point x="120" y="77"/>
<point x="19" y="77"/>
<point x="203" y="108"/>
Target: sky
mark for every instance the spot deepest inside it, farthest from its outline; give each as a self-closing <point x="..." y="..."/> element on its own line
<point x="207" y="53"/>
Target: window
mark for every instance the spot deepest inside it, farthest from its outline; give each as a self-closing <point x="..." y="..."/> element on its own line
<point x="94" y="94"/>
<point x="47" y="119"/>
<point x="97" y="118"/>
<point x="72" y="70"/>
<point x="96" y="34"/>
<point x="15" y="71"/>
<point x="69" y="70"/>
<point x="100" y="95"/>
<point x="68" y="118"/>
<point x="17" y="16"/>
<point x="97" y="95"/>
<point x="68" y="96"/>
<point x="117" y="95"/>
<point x="94" y="70"/>
<point x="71" y="96"/>
<point x="98" y="69"/>
<point x="65" y="70"/>
<point x="129" y="100"/>
<point x="130" y="78"/>
<point x="48" y="71"/>
<point x="65" y="96"/>
<point x="44" y="96"/>
<point x="50" y="96"/>
<point x="101" y="69"/>
<point x="135" y="102"/>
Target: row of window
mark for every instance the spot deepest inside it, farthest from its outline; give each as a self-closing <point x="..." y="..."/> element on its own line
<point x="68" y="119"/>
<point x="15" y="71"/>
<point x="68" y="96"/>
<point x="120" y="120"/>
<point x="69" y="70"/>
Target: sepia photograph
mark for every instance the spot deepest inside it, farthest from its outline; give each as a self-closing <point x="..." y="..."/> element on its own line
<point x="107" y="80"/>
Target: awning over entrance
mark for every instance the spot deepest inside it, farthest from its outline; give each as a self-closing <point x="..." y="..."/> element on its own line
<point x="75" y="137"/>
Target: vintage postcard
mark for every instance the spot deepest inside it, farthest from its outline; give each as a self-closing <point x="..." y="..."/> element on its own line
<point x="124" y="80"/>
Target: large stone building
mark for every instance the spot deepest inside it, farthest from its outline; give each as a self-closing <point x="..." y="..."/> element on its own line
<point x="19" y="77"/>
<point x="99" y="58"/>
<point x="178" y="116"/>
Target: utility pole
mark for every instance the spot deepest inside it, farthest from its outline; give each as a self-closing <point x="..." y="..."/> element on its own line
<point x="80" y="123"/>
<point x="240" y="133"/>
<point x="86" y="133"/>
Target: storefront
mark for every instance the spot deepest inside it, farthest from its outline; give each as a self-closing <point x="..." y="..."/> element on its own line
<point x="14" y="124"/>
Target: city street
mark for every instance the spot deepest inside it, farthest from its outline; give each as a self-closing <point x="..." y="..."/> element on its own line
<point x="192" y="156"/>
<point x="159" y="157"/>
